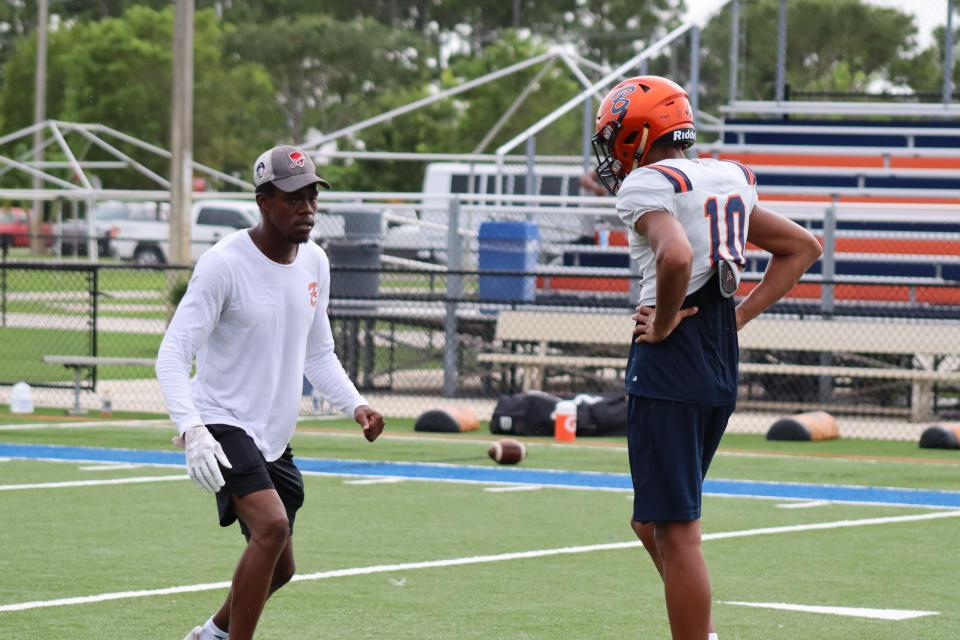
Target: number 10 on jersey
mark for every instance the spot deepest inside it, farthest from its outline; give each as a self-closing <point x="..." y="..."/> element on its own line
<point x="727" y="231"/>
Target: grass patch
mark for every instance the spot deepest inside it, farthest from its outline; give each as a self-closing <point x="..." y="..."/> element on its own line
<point x="55" y="279"/>
<point x="22" y="350"/>
<point x="93" y="540"/>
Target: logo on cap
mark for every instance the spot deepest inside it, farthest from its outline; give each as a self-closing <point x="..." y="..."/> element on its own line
<point x="297" y="159"/>
<point x="260" y="170"/>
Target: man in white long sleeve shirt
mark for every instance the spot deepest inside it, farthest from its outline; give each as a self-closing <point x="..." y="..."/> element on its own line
<point x="255" y="317"/>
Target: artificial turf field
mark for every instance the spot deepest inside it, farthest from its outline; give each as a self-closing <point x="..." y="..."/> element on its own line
<point x="446" y="558"/>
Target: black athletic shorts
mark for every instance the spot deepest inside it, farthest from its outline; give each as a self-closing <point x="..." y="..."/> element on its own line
<point x="251" y="472"/>
<point x="671" y="445"/>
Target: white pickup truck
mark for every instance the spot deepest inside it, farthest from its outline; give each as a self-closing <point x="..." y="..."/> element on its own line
<point x="147" y="242"/>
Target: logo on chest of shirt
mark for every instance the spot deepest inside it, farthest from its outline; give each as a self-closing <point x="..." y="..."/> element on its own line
<point x="314" y="294"/>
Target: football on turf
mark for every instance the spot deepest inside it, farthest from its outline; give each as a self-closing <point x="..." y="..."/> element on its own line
<point x="507" y="451"/>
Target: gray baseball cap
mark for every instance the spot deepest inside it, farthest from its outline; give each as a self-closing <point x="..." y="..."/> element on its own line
<point x="288" y="168"/>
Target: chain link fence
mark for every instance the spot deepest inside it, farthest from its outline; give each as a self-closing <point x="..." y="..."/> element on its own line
<point x="421" y="288"/>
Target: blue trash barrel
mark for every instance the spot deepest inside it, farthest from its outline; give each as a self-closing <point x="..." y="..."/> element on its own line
<point x="508" y="246"/>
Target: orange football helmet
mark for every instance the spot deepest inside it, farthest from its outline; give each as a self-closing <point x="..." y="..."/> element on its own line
<point x="635" y="115"/>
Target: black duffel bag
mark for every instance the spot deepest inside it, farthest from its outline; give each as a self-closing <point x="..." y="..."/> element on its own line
<point x="524" y="414"/>
<point x="607" y="416"/>
<point x="531" y="414"/>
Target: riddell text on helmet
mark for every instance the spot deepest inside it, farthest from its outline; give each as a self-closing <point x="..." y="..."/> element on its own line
<point x="684" y="134"/>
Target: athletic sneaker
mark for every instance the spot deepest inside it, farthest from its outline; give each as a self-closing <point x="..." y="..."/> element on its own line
<point x="194" y="635"/>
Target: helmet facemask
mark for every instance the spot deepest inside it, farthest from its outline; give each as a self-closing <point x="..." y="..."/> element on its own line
<point x="610" y="169"/>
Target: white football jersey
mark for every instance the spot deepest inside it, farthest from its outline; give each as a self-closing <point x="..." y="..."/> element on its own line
<point x="712" y="199"/>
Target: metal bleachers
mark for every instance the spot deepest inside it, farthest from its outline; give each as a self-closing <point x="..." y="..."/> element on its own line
<point x="879" y="185"/>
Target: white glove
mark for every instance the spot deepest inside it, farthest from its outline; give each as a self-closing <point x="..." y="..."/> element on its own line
<point x="203" y="452"/>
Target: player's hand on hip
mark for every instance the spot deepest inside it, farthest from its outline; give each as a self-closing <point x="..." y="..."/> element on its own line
<point x="203" y="454"/>
<point x="648" y="330"/>
<point x="370" y="420"/>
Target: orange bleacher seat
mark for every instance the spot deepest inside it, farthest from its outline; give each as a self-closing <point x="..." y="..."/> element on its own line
<point x="924" y="163"/>
<point x="870" y="293"/>
<point x="892" y="246"/>
<point x="801" y="160"/>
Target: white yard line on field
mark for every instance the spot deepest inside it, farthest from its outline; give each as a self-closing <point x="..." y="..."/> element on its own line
<point x="807" y="504"/>
<point x="519" y="487"/>
<point x="853" y="612"/>
<point x="90" y="483"/>
<point x="374" y="481"/>
<point x="109" y="467"/>
<point x="468" y="560"/>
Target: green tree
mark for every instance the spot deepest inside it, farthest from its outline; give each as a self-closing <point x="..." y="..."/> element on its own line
<point x="117" y="71"/>
<point x="832" y="45"/>
<point x="18" y="18"/>
<point x="17" y="89"/>
<point x="484" y="105"/>
<point x="458" y="124"/>
<point x="330" y="73"/>
<point x="430" y="129"/>
<point x="924" y="72"/>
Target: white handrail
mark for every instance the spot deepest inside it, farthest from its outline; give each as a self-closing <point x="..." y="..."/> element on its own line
<point x="815" y="149"/>
<point x="841" y="128"/>
<point x="925" y="109"/>
<point x="853" y="172"/>
<point x="432" y="200"/>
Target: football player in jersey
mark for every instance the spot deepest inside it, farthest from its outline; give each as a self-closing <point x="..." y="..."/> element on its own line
<point x="689" y="223"/>
<point x="255" y="316"/>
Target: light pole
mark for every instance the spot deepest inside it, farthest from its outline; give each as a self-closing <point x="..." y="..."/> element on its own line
<point x="781" y="51"/>
<point x="39" y="115"/>
<point x="948" y="56"/>
<point x="181" y="134"/>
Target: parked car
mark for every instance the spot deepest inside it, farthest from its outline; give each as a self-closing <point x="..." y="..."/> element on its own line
<point x="107" y="216"/>
<point x="139" y="231"/>
<point x="147" y="242"/>
<point x="15" y="223"/>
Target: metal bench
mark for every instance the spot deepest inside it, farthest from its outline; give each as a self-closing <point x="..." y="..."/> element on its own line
<point x="77" y="363"/>
<point x="925" y="343"/>
<point x="551" y="332"/>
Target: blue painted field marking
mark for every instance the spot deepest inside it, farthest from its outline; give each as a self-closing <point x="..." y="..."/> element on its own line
<point x="517" y="475"/>
<point x="91" y="454"/>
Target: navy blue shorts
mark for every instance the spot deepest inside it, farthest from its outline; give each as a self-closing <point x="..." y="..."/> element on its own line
<point x="251" y="472"/>
<point x="671" y="444"/>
